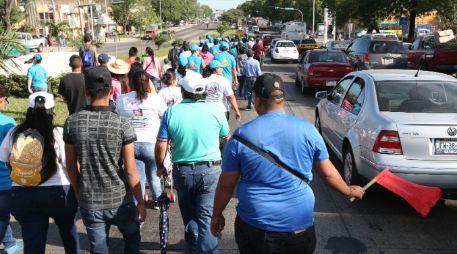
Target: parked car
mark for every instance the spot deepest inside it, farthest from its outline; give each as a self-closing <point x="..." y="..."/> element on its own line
<point x="30" y="42"/>
<point x="307" y="44"/>
<point x="255" y="29"/>
<point x="151" y="32"/>
<point x="374" y="53"/>
<point x="338" y="45"/>
<point x="284" y="50"/>
<point x="392" y="119"/>
<point x="424" y="52"/>
<point x="321" y="69"/>
<point x="268" y="38"/>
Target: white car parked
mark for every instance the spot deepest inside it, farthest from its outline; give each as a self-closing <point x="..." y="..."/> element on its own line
<point x="284" y="50"/>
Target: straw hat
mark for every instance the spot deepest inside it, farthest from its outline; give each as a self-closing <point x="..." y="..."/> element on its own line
<point x="119" y="67"/>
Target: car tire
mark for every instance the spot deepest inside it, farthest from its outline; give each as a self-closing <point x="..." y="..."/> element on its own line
<point x="350" y="174"/>
<point x="304" y="90"/>
<point x="297" y="82"/>
<point x="273" y="60"/>
<point x="317" y="123"/>
<point x="40" y="48"/>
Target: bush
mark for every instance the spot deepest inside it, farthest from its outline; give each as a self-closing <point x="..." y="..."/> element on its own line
<point x="18" y="85"/>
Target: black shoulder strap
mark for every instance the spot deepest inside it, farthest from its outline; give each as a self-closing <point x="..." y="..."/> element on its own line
<point x="270" y="158"/>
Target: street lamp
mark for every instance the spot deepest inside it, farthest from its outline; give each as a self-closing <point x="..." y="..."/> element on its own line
<point x="314" y="12"/>
<point x="290" y="9"/>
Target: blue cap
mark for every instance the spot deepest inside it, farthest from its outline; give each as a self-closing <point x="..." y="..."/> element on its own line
<point x="104" y="58"/>
<point x="183" y="61"/>
<point x="37" y="57"/>
<point x="194" y="47"/>
<point x="224" y="44"/>
<point x="215" y="64"/>
<point x="219" y="38"/>
<point x="235" y="43"/>
<point x="206" y="42"/>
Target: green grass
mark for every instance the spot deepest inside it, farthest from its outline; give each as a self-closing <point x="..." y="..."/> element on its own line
<point x="158" y="53"/>
<point x="18" y="108"/>
<point x="228" y="33"/>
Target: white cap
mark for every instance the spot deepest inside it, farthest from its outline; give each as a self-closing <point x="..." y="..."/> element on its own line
<point x="47" y="98"/>
<point x="193" y="83"/>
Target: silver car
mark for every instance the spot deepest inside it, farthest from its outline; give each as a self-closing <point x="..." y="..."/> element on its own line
<point x="403" y="120"/>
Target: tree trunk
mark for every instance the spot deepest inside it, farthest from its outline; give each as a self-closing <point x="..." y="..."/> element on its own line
<point x="7" y="6"/>
<point x="412" y="21"/>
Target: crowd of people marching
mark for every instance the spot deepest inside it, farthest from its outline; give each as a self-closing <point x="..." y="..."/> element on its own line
<point x="134" y="121"/>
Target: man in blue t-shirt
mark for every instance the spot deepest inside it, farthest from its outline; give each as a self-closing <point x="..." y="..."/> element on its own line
<point x="275" y="209"/>
<point x="37" y="77"/>
<point x="228" y="63"/>
<point x="195" y="62"/>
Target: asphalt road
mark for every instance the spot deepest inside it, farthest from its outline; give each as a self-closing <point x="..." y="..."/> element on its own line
<point x="189" y="34"/>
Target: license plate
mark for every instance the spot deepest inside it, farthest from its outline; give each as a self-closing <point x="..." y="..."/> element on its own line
<point x="330" y="83"/>
<point x="445" y="146"/>
<point x="388" y="60"/>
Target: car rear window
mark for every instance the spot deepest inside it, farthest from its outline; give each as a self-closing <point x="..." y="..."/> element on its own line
<point x="285" y="44"/>
<point x="326" y="56"/>
<point x="417" y="96"/>
<point x="308" y="41"/>
<point x="381" y="47"/>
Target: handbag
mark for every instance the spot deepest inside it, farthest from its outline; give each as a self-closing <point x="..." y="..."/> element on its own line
<point x="270" y="158"/>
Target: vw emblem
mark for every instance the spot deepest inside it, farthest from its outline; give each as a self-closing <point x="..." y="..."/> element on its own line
<point x="451" y="131"/>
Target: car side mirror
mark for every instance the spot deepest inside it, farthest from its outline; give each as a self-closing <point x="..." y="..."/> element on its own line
<point x="321" y="95"/>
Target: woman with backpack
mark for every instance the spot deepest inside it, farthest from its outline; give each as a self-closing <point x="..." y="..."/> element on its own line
<point x="88" y="53"/>
<point x="34" y="151"/>
<point x="144" y="109"/>
<point x="151" y="66"/>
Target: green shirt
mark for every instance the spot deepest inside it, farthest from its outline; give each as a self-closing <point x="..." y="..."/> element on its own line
<point x="195" y="128"/>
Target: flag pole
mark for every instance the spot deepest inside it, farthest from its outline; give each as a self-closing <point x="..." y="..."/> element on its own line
<point x="368" y="185"/>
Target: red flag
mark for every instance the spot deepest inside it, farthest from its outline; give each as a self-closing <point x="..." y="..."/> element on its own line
<point x="421" y="197"/>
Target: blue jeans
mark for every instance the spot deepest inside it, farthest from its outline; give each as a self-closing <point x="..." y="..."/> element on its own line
<point x="248" y="89"/>
<point x="5" y="229"/>
<point x="33" y="206"/>
<point x="39" y="89"/>
<point x="241" y="85"/>
<point x="146" y="164"/>
<point x="98" y="223"/>
<point x="196" y="185"/>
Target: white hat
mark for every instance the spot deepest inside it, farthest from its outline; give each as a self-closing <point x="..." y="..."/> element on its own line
<point x="193" y="83"/>
<point x="46" y="98"/>
<point x="119" y="67"/>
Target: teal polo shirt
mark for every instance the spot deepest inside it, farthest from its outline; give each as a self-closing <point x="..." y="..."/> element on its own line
<point x="195" y="128"/>
<point x="38" y="75"/>
<point x="195" y="63"/>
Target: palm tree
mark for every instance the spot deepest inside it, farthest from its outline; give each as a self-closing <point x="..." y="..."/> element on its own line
<point x="9" y="47"/>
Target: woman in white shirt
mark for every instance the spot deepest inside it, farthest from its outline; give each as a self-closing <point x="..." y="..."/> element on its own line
<point x="144" y="109"/>
<point x="171" y="94"/>
<point x="52" y="197"/>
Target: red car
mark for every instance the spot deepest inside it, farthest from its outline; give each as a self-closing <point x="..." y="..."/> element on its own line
<point x="267" y="39"/>
<point x="321" y="69"/>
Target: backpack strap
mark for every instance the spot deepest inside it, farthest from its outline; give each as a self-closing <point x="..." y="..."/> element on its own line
<point x="270" y="158"/>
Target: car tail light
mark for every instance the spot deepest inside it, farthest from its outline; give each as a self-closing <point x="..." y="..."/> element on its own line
<point x="348" y="68"/>
<point x="276" y="50"/>
<point x="366" y="58"/>
<point x="388" y="142"/>
<point x="310" y="71"/>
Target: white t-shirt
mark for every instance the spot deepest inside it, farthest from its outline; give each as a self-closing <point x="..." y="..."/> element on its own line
<point x="144" y="116"/>
<point x="171" y="95"/>
<point x="60" y="177"/>
<point x="217" y="89"/>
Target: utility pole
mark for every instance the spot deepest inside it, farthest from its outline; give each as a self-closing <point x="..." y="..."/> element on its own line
<point x="92" y="22"/>
<point x="325" y="25"/>
<point x="314" y="13"/>
<point x="80" y="18"/>
<point x="160" y="10"/>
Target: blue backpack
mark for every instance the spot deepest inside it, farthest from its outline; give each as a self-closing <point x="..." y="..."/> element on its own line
<point x="88" y="57"/>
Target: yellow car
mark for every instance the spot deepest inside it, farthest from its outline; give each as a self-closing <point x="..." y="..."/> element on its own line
<point x="307" y="44"/>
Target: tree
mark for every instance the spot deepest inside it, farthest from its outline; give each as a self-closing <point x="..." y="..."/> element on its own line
<point x="206" y="11"/>
<point x="9" y="46"/>
<point x="58" y="27"/>
<point x="7" y="7"/>
<point x="139" y="13"/>
<point x="145" y="14"/>
<point x="122" y="13"/>
<point x="160" y="40"/>
<point x="221" y="28"/>
<point x="231" y="16"/>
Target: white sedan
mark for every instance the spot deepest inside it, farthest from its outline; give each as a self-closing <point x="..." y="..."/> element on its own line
<point x="284" y="50"/>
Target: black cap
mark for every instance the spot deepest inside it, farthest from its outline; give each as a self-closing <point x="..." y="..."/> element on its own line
<point x="266" y="84"/>
<point x="4" y="91"/>
<point x="97" y="78"/>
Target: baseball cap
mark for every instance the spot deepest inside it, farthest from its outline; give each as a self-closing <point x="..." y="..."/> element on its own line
<point x="224" y="44"/>
<point x="4" y="91"/>
<point x="193" y="83"/>
<point x="43" y="97"/>
<point x="37" y="57"/>
<point x="97" y="78"/>
<point x="194" y="47"/>
<point x="266" y="84"/>
<point x="182" y="61"/>
<point x="215" y="64"/>
<point x="104" y="58"/>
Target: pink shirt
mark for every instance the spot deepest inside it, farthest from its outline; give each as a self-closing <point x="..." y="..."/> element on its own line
<point x="117" y="89"/>
<point x="154" y="68"/>
<point x="207" y="57"/>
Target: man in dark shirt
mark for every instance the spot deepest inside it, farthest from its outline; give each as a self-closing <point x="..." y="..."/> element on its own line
<point x="72" y="86"/>
<point x="259" y="51"/>
<point x="99" y="149"/>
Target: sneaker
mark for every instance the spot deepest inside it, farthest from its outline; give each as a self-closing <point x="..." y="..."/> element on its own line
<point x="248" y="108"/>
<point x="13" y="249"/>
<point x="155" y="205"/>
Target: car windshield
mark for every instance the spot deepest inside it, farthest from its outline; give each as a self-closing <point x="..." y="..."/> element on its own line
<point x="417" y="96"/>
<point x="382" y="47"/>
<point x="340" y="44"/>
<point x="308" y="41"/>
<point x="285" y="44"/>
<point x="326" y="56"/>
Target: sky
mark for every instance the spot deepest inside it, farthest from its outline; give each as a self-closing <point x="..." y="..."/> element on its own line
<point x="222" y="4"/>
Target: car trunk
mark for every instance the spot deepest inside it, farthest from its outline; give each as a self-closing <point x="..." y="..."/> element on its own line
<point x="331" y="70"/>
<point x="424" y="136"/>
<point x="445" y="57"/>
<point x="390" y="60"/>
<point x="286" y="50"/>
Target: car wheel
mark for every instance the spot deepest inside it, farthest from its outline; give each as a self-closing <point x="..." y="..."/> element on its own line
<point x="350" y="174"/>
<point x="273" y="60"/>
<point x="317" y="123"/>
<point x="297" y="82"/>
<point x="40" y="48"/>
<point x="304" y="90"/>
